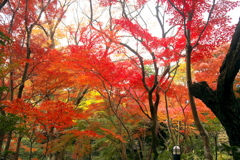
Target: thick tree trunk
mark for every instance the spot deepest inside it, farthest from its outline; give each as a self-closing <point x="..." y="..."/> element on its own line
<point x="154" y="137"/>
<point x="153" y="154"/>
<point x="223" y="102"/>
<point x="226" y="110"/>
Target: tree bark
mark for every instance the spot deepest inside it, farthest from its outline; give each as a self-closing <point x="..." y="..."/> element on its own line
<point x="18" y="147"/>
<point x="3" y="4"/>
<point x="81" y="95"/>
<point x="2" y="134"/>
<point x="223" y="102"/>
<point x="8" y="143"/>
<point x="197" y="121"/>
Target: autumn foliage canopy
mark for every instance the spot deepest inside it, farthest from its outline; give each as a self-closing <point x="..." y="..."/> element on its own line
<point x="106" y="78"/>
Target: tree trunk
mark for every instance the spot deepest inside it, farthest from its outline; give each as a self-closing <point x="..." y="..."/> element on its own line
<point x="154" y="121"/>
<point x="154" y="137"/>
<point x="2" y="134"/>
<point x="197" y="121"/>
<point x="18" y="147"/>
<point x="2" y="131"/>
<point x="9" y="138"/>
<point x="223" y="102"/>
<point x="3" y="3"/>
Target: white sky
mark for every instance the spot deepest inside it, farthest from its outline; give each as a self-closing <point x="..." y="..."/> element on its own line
<point x="235" y="14"/>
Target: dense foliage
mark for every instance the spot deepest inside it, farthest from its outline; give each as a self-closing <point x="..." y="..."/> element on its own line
<point x="106" y="79"/>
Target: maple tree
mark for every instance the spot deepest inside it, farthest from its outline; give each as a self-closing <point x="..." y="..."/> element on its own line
<point x="112" y="90"/>
<point x="189" y="15"/>
<point x="151" y="83"/>
<point x="110" y="83"/>
<point x="24" y="57"/>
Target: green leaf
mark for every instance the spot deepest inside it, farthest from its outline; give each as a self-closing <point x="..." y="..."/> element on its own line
<point x="4" y="39"/>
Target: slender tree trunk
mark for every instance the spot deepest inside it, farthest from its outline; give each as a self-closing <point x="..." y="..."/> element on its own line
<point x="123" y="146"/>
<point x="9" y="138"/>
<point x="11" y="90"/>
<point x="2" y="131"/>
<point x="18" y="147"/>
<point x="30" y="152"/>
<point x="81" y="95"/>
<point x="2" y="134"/>
<point x="140" y="150"/>
<point x="216" y="146"/>
<point x="168" y="119"/>
<point x="202" y="130"/>
<point x="154" y="128"/>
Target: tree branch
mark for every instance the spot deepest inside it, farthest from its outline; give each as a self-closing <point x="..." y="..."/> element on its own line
<point x="202" y="91"/>
<point x="230" y="66"/>
<point x="3" y="3"/>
